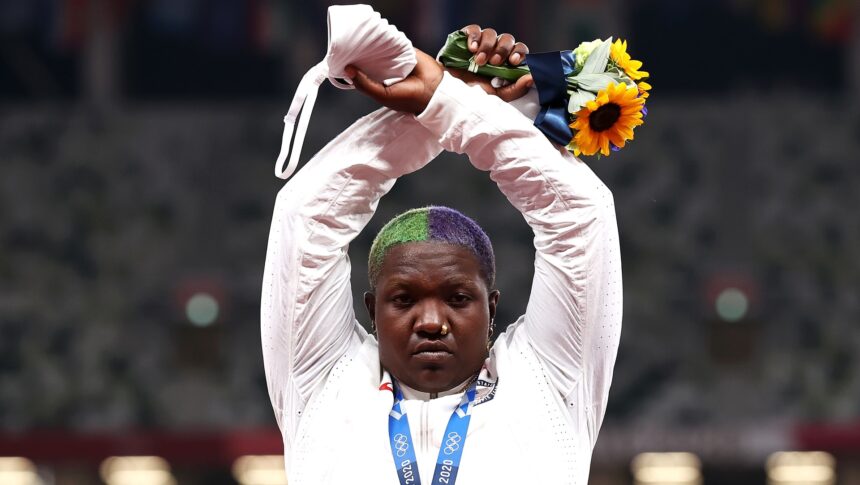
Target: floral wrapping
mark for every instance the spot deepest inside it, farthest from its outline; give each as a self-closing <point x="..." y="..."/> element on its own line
<point x="604" y="91"/>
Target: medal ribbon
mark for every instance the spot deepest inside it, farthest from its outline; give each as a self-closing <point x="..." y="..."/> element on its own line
<point x="451" y="451"/>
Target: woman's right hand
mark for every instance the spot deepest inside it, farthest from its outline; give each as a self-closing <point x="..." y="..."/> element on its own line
<point x="493" y="49"/>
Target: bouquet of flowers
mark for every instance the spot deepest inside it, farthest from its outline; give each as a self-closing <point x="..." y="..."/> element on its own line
<point x="592" y="98"/>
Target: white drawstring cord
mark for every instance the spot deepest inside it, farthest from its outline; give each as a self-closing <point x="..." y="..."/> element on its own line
<point x="303" y="102"/>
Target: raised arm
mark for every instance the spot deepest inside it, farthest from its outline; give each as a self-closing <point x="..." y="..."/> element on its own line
<point x="306" y="312"/>
<point x="573" y="319"/>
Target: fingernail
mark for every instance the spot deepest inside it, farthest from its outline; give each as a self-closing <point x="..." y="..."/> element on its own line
<point x="481" y="59"/>
<point x="474" y="44"/>
<point x="496" y="59"/>
<point x="515" y="58"/>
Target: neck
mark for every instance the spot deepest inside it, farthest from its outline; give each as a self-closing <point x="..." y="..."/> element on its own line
<point x="409" y="393"/>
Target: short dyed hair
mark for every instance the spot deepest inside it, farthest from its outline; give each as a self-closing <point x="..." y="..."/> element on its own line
<point x="433" y="224"/>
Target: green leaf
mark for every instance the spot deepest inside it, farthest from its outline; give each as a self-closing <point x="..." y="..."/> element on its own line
<point x="596" y="62"/>
<point x="455" y="49"/>
<point x="505" y="71"/>
<point x="594" y="82"/>
<point x="619" y="75"/>
<point x="455" y="54"/>
<point x="578" y="99"/>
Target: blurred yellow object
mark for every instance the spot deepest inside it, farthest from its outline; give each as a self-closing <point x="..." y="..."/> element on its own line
<point x="666" y="469"/>
<point x="136" y="470"/>
<point x="801" y="468"/>
<point x="15" y="470"/>
<point x="260" y="470"/>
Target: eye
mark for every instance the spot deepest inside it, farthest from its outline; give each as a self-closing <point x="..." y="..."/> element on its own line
<point x="459" y="299"/>
<point x="402" y="299"/>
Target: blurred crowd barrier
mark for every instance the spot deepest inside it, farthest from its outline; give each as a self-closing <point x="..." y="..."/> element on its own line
<point x="110" y="226"/>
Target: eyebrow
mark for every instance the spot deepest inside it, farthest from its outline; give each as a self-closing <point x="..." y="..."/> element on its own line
<point x="400" y="283"/>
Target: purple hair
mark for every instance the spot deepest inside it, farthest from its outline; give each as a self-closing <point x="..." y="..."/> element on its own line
<point x="434" y="223"/>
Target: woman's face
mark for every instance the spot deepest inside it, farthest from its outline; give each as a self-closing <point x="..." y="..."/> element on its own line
<point x="422" y="286"/>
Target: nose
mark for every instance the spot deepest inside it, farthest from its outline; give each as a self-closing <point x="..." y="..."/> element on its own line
<point x="429" y="318"/>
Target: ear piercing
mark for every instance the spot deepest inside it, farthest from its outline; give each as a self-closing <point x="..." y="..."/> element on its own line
<point x="444" y="329"/>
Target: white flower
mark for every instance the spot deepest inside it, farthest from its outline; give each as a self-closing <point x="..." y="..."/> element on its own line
<point x="583" y="51"/>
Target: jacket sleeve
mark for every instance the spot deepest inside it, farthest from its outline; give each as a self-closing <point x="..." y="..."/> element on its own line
<point x="573" y="318"/>
<point x="307" y="318"/>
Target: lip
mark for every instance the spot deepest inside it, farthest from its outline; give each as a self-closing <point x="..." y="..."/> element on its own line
<point x="432" y="356"/>
<point x="431" y="347"/>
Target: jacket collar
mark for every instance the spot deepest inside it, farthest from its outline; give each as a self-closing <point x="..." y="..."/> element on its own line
<point x="410" y="393"/>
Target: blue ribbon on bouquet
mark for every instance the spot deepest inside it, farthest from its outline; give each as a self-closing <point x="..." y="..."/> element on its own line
<point x="549" y="71"/>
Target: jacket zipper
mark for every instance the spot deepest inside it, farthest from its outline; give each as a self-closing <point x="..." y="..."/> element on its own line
<point x="425" y="425"/>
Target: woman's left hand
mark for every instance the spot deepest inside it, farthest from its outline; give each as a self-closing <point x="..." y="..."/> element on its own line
<point x="410" y="95"/>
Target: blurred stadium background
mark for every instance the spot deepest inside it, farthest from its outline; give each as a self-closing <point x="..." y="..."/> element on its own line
<point x="137" y="140"/>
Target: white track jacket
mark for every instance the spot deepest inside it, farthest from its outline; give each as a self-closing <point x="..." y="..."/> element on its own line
<point x="543" y="391"/>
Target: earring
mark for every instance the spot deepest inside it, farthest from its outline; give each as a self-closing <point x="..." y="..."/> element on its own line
<point x="373" y="326"/>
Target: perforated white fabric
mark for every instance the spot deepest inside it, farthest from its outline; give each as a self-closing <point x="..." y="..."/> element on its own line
<point x="359" y="36"/>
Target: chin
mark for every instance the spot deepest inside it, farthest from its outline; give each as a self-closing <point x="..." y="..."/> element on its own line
<point x="434" y="380"/>
<point x="432" y="388"/>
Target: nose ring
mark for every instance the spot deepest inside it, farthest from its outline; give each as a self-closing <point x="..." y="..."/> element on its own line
<point x="444" y="329"/>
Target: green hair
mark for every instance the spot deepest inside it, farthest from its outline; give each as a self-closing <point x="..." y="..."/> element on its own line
<point x="429" y="224"/>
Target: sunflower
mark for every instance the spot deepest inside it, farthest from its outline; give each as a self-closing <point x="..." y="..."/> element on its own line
<point x="618" y="54"/>
<point x="609" y="118"/>
<point x="643" y="89"/>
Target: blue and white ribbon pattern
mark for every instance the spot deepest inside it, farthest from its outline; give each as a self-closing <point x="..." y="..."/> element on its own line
<point x="451" y="451"/>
